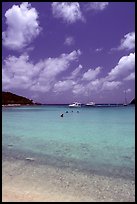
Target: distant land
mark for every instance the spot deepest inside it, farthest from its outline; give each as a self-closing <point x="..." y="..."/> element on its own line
<point x="9" y="98"/>
<point x="133" y="101"/>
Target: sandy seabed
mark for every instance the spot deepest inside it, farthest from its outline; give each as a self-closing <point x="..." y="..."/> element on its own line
<point x="24" y="180"/>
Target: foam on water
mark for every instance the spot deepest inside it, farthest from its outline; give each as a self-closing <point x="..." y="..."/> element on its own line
<point x="98" y="140"/>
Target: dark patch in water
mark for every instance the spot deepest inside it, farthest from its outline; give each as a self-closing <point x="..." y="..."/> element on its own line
<point x="127" y="157"/>
<point x="63" y="162"/>
<point x="10" y="145"/>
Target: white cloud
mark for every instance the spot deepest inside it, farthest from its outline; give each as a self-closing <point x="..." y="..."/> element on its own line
<point x="17" y="72"/>
<point x="110" y="85"/>
<point x="75" y="73"/>
<point x="125" y="65"/>
<point x="69" y="41"/>
<point x="68" y="11"/>
<point x="131" y="76"/>
<point x="98" y="85"/>
<point x="78" y="89"/>
<point x="128" y="42"/>
<point x="97" y="6"/>
<point x="95" y="84"/>
<point x="21" y="73"/>
<point x="53" y="66"/>
<point x="23" y="26"/>
<point x="102" y="84"/>
<point x="39" y="87"/>
<point x="69" y="82"/>
<point x="84" y="88"/>
<point x="91" y="73"/>
<point x="61" y="86"/>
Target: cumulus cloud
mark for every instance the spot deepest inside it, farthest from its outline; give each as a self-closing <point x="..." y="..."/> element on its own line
<point x="17" y="72"/>
<point x="111" y="85"/>
<point x="75" y="73"/>
<point x="97" y="6"/>
<point x="113" y="80"/>
<point x="131" y="76"/>
<point x="53" y="66"/>
<point x="91" y="73"/>
<point x="69" y="41"/>
<point x="125" y="65"/>
<point x="78" y="89"/>
<point x="128" y="42"/>
<point x="65" y="85"/>
<point x="68" y="11"/>
<point x="102" y="84"/>
<point x="20" y="72"/>
<point x="95" y="85"/>
<point x="22" y="26"/>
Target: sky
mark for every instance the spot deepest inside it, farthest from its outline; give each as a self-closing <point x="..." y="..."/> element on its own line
<point x="61" y="52"/>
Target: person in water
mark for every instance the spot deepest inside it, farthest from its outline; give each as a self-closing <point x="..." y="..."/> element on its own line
<point x="61" y="115"/>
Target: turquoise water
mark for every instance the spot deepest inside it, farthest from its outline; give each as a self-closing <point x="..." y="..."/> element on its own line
<point x="99" y="140"/>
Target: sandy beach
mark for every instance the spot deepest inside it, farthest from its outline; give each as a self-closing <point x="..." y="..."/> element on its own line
<point x="26" y="181"/>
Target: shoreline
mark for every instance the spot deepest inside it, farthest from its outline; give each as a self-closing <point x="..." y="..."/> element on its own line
<point x="83" y="105"/>
<point x="16" y="105"/>
<point x="24" y="181"/>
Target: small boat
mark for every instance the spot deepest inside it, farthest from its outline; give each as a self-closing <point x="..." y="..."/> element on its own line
<point x="75" y="105"/>
<point x="90" y="104"/>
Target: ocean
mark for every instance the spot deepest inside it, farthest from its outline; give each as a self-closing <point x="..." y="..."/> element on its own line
<point x="92" y="140"/>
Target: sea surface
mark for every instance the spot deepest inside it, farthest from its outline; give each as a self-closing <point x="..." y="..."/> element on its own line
<point x="95" y="140"/>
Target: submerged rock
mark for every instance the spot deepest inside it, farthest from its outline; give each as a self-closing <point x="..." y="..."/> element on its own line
<point x="10" y="145"/>
<point x="29" y="158"/>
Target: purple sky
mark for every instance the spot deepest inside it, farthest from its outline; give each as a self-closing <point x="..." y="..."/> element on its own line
<point x="60" y="52"/>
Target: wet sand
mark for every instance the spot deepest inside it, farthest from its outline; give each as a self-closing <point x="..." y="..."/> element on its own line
<point x="24" y="180"/>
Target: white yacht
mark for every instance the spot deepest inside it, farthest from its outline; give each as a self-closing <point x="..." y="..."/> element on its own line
<point x="75" y="104"/>
<point x="90" y="104"/>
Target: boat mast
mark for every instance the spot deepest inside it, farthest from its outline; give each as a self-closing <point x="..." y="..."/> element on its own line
<point x="125" y="98"/>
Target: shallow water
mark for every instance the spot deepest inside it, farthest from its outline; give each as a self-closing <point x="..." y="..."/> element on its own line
<point x="99" y="140"/>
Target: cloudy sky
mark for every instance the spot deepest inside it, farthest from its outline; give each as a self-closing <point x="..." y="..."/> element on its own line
<point x="60" y="52"/>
